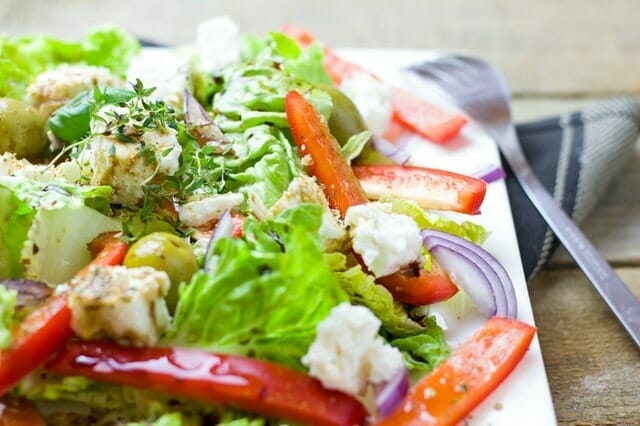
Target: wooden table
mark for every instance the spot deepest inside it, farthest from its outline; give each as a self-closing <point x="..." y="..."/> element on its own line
<point x="557" y="55"/>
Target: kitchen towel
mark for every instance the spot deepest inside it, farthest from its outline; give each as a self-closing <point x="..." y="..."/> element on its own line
<point x="575" y="156"/>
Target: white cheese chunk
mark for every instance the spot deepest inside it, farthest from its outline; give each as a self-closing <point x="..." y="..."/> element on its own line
<point x="199" y="212"/>
<point x="53" y="88"/>
<point x="166" y="70"/>
<point x="218" y="42"/>
<point x="372" y="97"/>
<point x="122" y="165"/>
<point x="348" y="354"/>
<point x="119" y="303"/>
<point x="386" y="241"/>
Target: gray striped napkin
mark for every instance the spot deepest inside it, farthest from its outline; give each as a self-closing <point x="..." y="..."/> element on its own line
<point x="576" y="156"/>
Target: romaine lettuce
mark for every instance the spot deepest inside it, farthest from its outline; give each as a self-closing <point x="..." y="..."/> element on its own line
<point x="44" y="228"/>
<point x="266" y="296"/>
<point x="22" y="58"/>
<point x="468" y="230"/>
<point x="423" y="352"/>
<point x="7" y="305"/>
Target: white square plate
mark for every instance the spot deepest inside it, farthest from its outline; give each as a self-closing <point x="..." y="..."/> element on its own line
<point x="524" y="397"/>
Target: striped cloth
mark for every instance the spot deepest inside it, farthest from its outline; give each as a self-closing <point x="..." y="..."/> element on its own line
<point x="575" y="156"/>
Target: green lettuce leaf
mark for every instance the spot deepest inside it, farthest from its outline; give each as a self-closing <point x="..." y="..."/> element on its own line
<point x="363" y="290"/>
<point x="72" y="122"/>
<point x="423" y="352"/>
<point x="267" y="294"/>
<point x="45" y="228"/>
<point x="7" y="306"/>
<point x="468" y="230"/>
<point x="22" y="58"/>
<point x="355" y="145"/>
<point x="304" y="64"/>
<point x="16" y="217"/>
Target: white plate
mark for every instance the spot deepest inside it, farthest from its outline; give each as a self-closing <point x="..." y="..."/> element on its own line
<point x="524" y="397"/>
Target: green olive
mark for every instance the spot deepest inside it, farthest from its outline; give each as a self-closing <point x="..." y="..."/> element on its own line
<point x="22" y="129"/>
<point x="345" y="119"/>
<point x="164" y="252"/>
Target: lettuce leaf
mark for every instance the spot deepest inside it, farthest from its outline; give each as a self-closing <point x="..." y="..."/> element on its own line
<point x="15" y="220"/>
<point x="304" y="64"/>
<point x="363" y="290"/>
<point x="355" y="145"/>
<point x="468" y="230"/>
<point x="44" y="228"/>
<point x="7" y="305"/>
<point x="267" y="294"/>
<point x="22" y="58"/>
<point x="423" y="352"/>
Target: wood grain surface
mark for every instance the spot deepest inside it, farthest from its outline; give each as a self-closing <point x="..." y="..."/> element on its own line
<point x="558" y="56"/>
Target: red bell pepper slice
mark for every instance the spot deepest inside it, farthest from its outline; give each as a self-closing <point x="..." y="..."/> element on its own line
<point x="19" y="412"/>
<point x="254" y="385"/>
<point x="343" y="190"/>
<point x="449" y="393"/>
<point x="313" y="138"/>
<point x="45" y="330"/>
<point x="413" y="112"/>
<point x="424" y="118"/>
<point x="427" y="287"/>
<point x="429" y="188"/>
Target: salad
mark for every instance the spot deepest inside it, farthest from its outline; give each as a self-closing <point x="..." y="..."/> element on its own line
<point x="230" y="233"/>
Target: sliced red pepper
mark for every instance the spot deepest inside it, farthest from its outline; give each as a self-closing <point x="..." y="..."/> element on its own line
<point x="449" y="393"/>
<point x="418" y="115"/>
<point x="313" y="138"/>
<point x="343" y="190"/>
<point x="429" y="188"/>
<point x="45" y="330"/>
<point x="19" y="412"/>
<point x="428" y="287"/>
<point x="258" y="386"/>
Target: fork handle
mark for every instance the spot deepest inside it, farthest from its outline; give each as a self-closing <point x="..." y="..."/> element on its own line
<point x="611" y="288"/>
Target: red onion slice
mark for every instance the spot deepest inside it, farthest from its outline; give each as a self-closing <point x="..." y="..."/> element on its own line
<point x="491" y="173"/>
<point x="391" y="393"/>
<point x="395" y="152"/>
<point x="224" y="228"/>
<point x="201" y="126"/>
<point x="490" y="287"/>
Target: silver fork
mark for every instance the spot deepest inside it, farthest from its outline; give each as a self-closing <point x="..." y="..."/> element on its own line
<point x="481" y="92"/>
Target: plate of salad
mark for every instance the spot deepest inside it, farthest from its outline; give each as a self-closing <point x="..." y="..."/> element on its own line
<point x="252" y="231"/>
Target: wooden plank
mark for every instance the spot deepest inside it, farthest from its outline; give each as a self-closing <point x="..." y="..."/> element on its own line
<point x="544" y="47"/>
<point x="592" y="365"/>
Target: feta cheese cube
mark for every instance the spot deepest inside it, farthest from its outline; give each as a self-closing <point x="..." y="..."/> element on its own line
<point x="166" y="70"/>
<point x="119" y="303"/>
<point x="385" y="241"/>
<point x="348" y="354"/>
<point x="53" y="88"/>
<point x="218" y="42"/>
<point x="372" y="97"/>
<point x="199" y="212"/>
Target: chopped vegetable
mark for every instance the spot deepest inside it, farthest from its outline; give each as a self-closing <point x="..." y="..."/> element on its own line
<point x="45" y="330"/>
<point x="429" y="120"/>
<point x="476" y="271"/>
<point x="7" y="306"/>
<point x="19" y="413"/>
<point x="266" y="294"/>
<point x="258" y="386"/>
<point x="313" y="138"/>
<point x="430" y="188"/>
<point x="473" y="371"/>
<point x="25" y="57"/>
